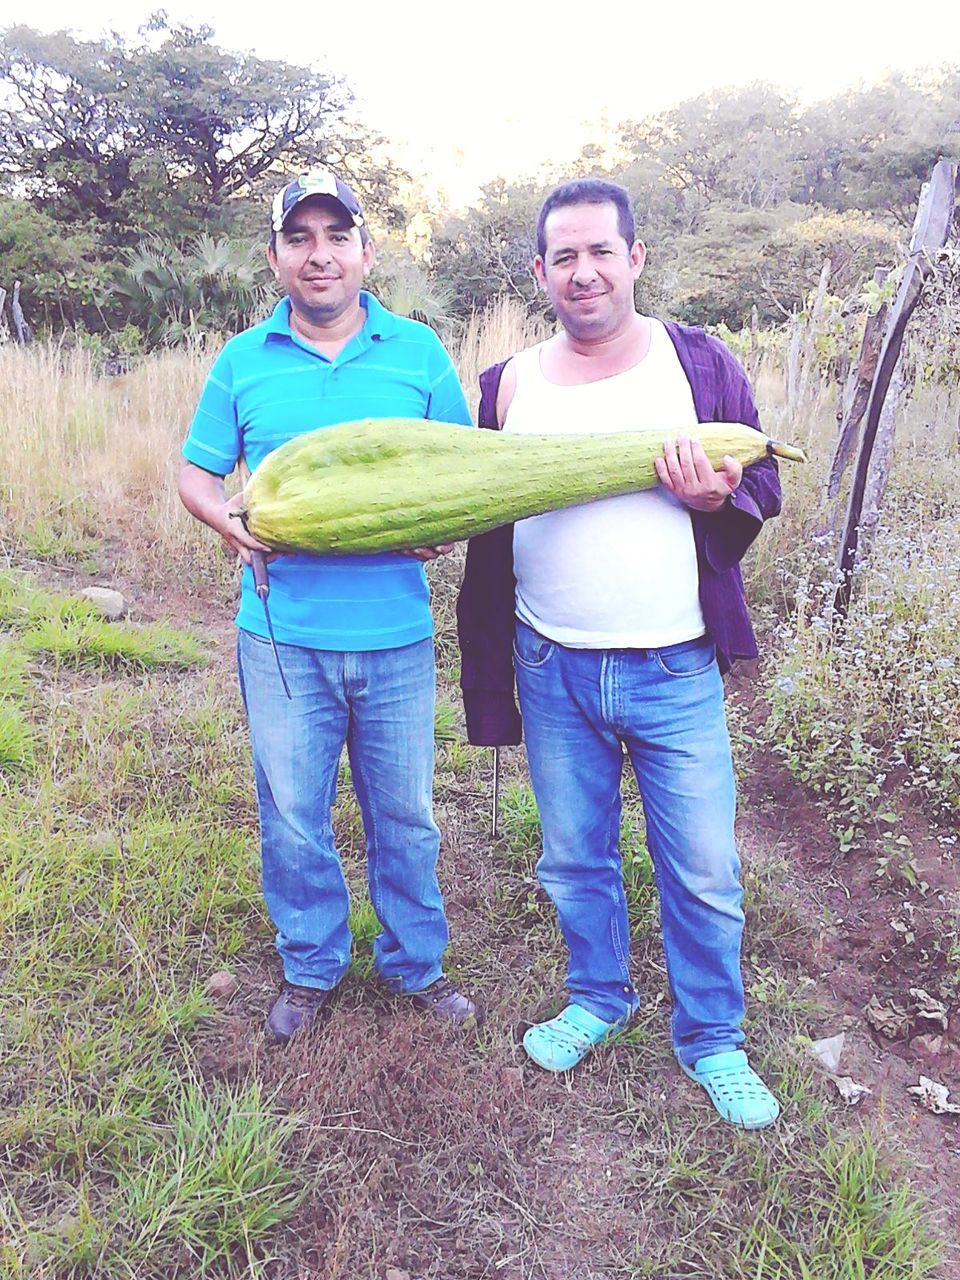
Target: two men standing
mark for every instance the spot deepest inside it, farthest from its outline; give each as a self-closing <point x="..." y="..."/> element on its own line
<point x="615" y="618"/>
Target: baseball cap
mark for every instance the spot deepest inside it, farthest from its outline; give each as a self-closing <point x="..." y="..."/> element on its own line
<point x="318" y="182"/>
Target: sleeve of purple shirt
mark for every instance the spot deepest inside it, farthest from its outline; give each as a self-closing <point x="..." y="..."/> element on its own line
<point x="485" y="613"/>
<point x="721" y="393"/>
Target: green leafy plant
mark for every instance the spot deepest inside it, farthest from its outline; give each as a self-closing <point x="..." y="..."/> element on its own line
<point x="210" y="285"/>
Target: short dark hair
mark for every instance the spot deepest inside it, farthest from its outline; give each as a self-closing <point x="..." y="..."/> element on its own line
<point x="588" y="191"/>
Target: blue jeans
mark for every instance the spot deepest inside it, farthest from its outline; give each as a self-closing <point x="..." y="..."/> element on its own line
<point x="580" y="708"/>
<point x="381" y="704"/>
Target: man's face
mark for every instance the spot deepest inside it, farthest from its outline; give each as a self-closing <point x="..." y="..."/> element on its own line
<point x="588" y="270"/>
<point x="320" y="260"/>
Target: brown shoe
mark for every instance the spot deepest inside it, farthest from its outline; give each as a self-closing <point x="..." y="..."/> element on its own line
<point x="443" y="1000"/>
<point x="294" y="1008"/>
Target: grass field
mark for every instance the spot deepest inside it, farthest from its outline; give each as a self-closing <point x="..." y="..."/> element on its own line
<point x="146" y="1128"/>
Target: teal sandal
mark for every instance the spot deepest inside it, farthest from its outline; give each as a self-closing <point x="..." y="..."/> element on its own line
<point x="558" y="1045"/>
<point x="735" y="1089"/>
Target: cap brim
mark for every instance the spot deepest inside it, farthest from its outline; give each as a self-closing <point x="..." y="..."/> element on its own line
<point x="277" y="223"/>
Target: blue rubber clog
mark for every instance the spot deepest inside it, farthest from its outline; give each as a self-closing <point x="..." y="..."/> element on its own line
<point x="735" y="1089"/>
<point x="558" y="1045"/>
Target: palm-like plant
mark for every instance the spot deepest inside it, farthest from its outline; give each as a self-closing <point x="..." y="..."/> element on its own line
<point x="210" y="285"/>
<point x="407" y="289"/>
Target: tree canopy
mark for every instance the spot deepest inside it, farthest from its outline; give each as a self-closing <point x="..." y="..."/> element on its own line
<point x="739" y="195"/>
<point x="161" y="134"/>
<point x="131" y="164"/>
<point x="109" y="144"/>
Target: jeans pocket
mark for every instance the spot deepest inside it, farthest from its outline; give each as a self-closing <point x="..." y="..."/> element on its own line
<point x="530" y="648"/>
<point x="690" y="658"/>
<point x="253" y="638"/>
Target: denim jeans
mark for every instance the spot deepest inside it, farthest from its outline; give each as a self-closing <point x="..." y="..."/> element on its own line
<point x="581" y="708"/>
<point x="381" y="704"/>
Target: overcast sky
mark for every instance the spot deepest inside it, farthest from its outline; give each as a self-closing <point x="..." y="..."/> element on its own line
<point x="472" y="93"/>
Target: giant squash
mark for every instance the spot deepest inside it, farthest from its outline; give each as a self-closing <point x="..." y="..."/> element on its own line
<point x="390" y="483"/>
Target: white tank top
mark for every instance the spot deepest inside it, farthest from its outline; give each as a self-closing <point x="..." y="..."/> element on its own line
<point x="618" y="573"/>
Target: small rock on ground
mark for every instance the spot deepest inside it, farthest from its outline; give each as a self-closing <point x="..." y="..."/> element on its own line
<point x="221" y="985"/>
<point x="109" y="602"/>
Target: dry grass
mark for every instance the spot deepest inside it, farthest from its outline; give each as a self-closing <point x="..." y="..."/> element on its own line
<point x="90" y="464"/>
<point x="504" y="328"/>
<point x="90" y="458"/>
<point x="139" y="1114"/>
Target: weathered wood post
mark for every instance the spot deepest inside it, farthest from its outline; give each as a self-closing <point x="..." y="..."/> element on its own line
<point x="794" y="330"/>
<point x="881" y="460"/>
<point x="930" y="233"/>
<point x="810" y="334"/>
<point x="24" y="332"/>
<point x="753" y="365"/>
<point x="862" y="382"/>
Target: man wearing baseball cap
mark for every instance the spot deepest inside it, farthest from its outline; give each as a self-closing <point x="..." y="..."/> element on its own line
<point x="354" y="633"/>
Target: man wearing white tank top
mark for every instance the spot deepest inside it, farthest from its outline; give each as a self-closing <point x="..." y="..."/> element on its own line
<point x="622" y="609"/>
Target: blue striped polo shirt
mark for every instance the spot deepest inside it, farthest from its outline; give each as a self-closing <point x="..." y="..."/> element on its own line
<point x="266" y="387"/>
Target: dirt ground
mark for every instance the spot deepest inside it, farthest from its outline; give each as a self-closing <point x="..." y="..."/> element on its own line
<point x="873" y="938"/>
<point x="513" y="1143"/>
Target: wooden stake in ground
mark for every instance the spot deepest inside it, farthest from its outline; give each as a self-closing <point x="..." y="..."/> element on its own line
<point x="863" y="380"/>
<point x="930" y="233"/>
<point x="495" y="807"/>
<point x="810" y="330"/>
<point x="24" y="332"/>
<point x="881" y="460"/>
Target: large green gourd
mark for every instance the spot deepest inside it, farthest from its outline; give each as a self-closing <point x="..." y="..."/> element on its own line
<point x="389" y="483"/>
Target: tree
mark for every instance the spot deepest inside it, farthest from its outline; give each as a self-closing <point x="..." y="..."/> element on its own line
<point x="61" y="276"/>
<point x="772" y="259"/>
<point x="872" y="149"/>
<point x="161" y="135"/>
<point x="714" y="276"/>
<point x="491" y="248"/>
<point x="855" y="242"/>
<point x="734" y="145"/>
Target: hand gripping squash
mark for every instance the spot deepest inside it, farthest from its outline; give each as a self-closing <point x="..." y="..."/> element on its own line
<point x="390" y="483"/>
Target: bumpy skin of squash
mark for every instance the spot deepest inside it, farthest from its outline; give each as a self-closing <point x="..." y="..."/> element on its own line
<point x="391" y="483"/>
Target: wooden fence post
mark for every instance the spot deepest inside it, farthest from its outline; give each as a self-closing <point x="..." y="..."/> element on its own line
<point x="753" y="366"/>
<point x="24" y="332"/>
<point x="794" y="331"/>
<point x="862" y="382"/>
<point x="881" y="460"/>
<point x="931" y="230"/>
<point x="810" y="335"/>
